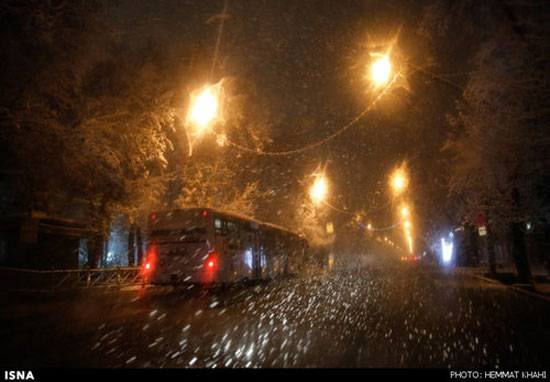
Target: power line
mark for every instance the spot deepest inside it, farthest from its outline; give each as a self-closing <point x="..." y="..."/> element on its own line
<point x="337" y="209"/>
<point x="318" y="143"/>
<point x="362" y="225"/>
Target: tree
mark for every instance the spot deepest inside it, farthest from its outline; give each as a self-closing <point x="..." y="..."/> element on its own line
<point x="85" y="115"/>
<point x="501" y="141"/>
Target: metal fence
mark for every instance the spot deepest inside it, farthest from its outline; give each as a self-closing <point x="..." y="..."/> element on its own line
<point x="68" y="279"/>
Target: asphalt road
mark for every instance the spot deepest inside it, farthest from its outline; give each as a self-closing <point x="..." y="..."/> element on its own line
<point x="391" y="316"/>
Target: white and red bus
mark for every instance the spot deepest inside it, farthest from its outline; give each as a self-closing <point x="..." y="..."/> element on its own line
<point x="204" y="245"/>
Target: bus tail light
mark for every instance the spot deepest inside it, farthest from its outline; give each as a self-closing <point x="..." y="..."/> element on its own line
<point x="150" y="260"/>
<point x="212" y="262"/>
<point x="147" y="268"/>
<point x="210" y="268"/>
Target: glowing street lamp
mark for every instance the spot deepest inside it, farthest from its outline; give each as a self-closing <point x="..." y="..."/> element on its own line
<point x="380" y="70"/>
<point x="319" y="189"/>
<point x="204" y="109"/>
<point x="398" y="181"/>
<point x="405" y="212"/>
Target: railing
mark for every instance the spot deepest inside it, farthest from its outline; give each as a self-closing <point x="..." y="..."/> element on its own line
<point x="68" y="279"/>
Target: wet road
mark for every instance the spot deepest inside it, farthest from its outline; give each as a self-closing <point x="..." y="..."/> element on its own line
<point x="376" y="316"/>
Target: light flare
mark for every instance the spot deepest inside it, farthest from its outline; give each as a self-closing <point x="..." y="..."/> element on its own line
<point x="447" y="250"/>
<point x="319" y="189"/>
<point x="399" y="181"/>
<point x="204" y="108"/>
<point x="380" y="70"/>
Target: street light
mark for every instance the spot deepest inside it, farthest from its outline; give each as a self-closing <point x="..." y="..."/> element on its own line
<point x="380" y="70"/>
<point x="204" y="109"/>
<point x="398" y="181"/>
<point x="319" y="189"/>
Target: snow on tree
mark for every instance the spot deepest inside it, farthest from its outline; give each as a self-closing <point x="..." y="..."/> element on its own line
<point x="502" y="149"/>
<point x="84" y="115"/>
<point x="500" y="139"/>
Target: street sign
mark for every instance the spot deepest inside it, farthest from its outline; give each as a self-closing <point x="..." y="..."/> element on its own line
<point x="480" y="219"/>
<point x="482" y="231"/>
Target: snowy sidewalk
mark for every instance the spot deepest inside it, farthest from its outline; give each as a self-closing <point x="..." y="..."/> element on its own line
<point x="539" y="286"/>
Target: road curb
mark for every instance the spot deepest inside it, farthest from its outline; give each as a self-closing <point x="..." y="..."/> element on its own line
<point x="493" y="281"/>
<point x="529" y="293"/>
<point x="515" y="288"/>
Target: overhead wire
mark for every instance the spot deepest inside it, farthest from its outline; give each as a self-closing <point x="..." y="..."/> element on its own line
<point x="363" y="225"/>
<point x="318" y="143"/>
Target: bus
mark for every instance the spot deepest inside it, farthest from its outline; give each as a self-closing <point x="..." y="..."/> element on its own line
<point x="209" y="246"/>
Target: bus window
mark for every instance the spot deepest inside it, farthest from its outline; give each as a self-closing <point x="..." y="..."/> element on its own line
<point x="219" y="226"/>
<point x="234" y="235"/>
<point x="229" y="229"/>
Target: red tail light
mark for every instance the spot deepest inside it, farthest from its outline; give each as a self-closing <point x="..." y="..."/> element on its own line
<point x="210" y="268"/>
<point x="150" y="260"/>
<point x="147" y="268"/>
<point x="212" y="261"/>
